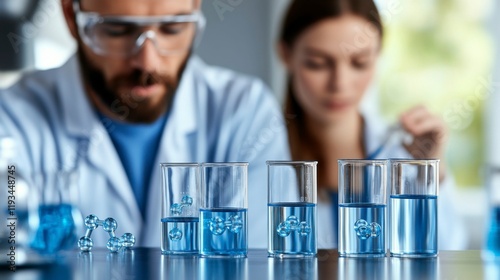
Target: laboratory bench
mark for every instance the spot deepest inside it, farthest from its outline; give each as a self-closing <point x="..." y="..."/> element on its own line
<point x="149" y="263"/>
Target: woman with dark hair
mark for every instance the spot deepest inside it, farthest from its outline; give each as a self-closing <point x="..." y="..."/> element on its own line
<point x="330" y="49"/>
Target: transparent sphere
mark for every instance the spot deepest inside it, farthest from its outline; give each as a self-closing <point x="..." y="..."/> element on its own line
<point x="91" y="222"/>
<point x="85" y="244"/>
<point x="376" y="229"/>
<point x="283" y="229"/>
<point x="362" y="229"/>
<point x="304" y="229"/>
<point x="187" y="200"/>
<point x="176" y="209"/>
<point x="114" y="244"/>
<point x="175" y="234"/>
<point x="109" y="225"/>
<point x="217" y="226"/>
<point x="235" y="224"/>
<point x="128" y="240"/>
<point x="293" y="222"/>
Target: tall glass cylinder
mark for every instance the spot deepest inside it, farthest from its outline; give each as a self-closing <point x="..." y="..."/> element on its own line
<point x="292" y="209"/>
<point x="362" y="208"/>
<point x="223" y="211"/>
<point x="414" y="206"/>
<point x="180" y="208"/>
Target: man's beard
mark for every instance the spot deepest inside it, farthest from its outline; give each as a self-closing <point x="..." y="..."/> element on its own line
<point x="127" y="108"/>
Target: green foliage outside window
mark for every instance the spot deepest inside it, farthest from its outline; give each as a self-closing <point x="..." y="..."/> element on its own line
<point x="440" y="53"/>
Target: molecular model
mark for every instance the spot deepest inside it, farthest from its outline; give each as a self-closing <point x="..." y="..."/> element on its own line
<point x="176" y="208"/>
<point x="292" y="224"/>
<point x="109" y="225"/>
<point x="365" y="230"/>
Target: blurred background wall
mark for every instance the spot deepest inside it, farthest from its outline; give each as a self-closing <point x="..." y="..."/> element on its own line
<point x="439" y="53"/>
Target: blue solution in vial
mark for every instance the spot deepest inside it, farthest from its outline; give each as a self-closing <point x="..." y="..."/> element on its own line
<point x="223" y="232"/>
<point x="56" y="229"/>
<point x="361" y="230"/>
<point x="179" y="235"/>
<point x="292" y="230"/>
<point x="492" y="250"/>
<point x="414" y="227"/>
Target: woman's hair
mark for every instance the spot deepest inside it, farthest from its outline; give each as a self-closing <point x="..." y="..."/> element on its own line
<point x="301" y="15"/>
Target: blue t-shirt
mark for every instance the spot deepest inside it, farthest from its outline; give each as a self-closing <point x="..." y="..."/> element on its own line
<point x="137" y="145"/>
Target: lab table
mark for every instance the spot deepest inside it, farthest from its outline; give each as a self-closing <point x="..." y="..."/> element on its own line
<point x="149" y="263"/>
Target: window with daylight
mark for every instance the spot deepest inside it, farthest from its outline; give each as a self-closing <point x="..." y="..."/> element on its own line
<point x="440" y="54"/>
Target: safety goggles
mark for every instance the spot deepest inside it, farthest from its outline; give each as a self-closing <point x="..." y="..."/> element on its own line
<point x="125" y="35"/>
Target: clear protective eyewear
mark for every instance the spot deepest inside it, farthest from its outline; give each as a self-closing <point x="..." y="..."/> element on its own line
<point x="125" y="35"/>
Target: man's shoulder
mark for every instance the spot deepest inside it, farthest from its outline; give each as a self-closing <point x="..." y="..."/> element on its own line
<point x="227" y="92"/>
<point x="34" y="99"/>
<point x="32" y="87"/>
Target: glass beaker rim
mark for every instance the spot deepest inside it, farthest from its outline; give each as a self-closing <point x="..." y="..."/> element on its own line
<point x="363" y="161"/>
<point x="413" y="161"/>
<point x="179" y="164"/>
<point x="291" y="162"/>
<point x="223" y="164"/>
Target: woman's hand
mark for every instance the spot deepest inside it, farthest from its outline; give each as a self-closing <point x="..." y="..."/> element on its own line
<point x="429" y="135"/>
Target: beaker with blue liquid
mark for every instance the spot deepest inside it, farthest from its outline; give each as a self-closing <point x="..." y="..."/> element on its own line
<point x="362" y="208"/>
<point x="59" y="219"/>
<point x="180" y="208"/>
<point x="414" y="206"/>
<point x="223" y="211"/>
<point x="292" y="209"/>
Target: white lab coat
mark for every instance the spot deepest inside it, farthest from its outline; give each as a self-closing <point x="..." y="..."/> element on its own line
<point x="217" y="116"/>
<point x="451" y="229"/>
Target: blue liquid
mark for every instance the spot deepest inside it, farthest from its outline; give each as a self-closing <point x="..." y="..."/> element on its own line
<point x="217" y="239"/>
<point x="352" y="241"/>
<point x="413" y="225"/>
<point x="23" y="234"/>
<point x="179" y="235"/>
<point x="492" y="250"/>
<point x="296" y="242"/>
<point x="56" y="230"/>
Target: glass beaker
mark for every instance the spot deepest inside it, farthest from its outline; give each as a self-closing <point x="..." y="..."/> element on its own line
<point x="59" y="219"/>
<point x="292" y="209"/>
<point x="223" y="212"/>
<point x="413" y="202"/>
<point x="362" y="207"/>
<point x="180" y="208"/>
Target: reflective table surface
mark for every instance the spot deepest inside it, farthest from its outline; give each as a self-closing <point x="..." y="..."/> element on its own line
<point x="149" y="263"/>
